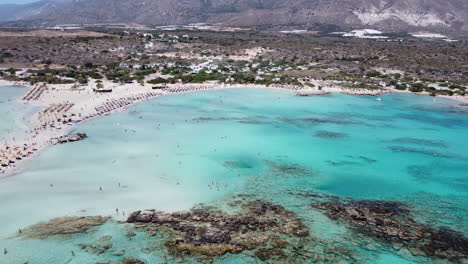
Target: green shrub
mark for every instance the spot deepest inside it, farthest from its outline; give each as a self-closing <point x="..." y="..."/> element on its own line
<point x="158" y="80"/>
<point x="373" y="74"/>
<point x="401" y="87"/>
<point x="95" y="75"/>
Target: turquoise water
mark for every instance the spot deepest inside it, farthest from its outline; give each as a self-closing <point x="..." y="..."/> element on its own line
<point x="166" y="153"/>
<point x="12" y="123"/>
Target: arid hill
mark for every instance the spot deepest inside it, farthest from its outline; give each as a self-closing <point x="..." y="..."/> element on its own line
<point x="389" y="15"/>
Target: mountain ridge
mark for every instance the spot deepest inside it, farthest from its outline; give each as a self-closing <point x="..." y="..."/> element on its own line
<point x="389" y="15"/>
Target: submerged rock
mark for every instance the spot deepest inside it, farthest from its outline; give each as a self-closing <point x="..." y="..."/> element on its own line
<point x="206" y="233"/>
<point x="421" y="142"/>
<point x="94" y="249"/>
<point x="278" y="168"/>
<point x="133" y="261"/>
<point x="270" y="253"/>
<point x="63" y="226"/>
<point x="237" y="164"/>
<point x="391" y="222"/>
<point x="428" y="152"/>
<point x="329" y="134"/>
<point x="318" y="121"/>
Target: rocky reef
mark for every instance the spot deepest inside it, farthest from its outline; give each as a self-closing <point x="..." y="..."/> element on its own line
<point x="64" y="226"/>
<point x="391" y="222"/>
<point x="270" y="231"/>
<point x="284" y="169"/>
<point x="248" y="227"/>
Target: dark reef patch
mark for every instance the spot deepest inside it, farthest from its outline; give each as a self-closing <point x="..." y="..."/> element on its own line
<point x="356" y="160"/>
<point x="330" y="135"/>
<point x="367" y="159"/>
<point x="341" y="115"/>
<point x="238" y="164"/>
<point x="420" y="142"/>
<point x="443" y="122"/>
<point x="420" y="172"/>
<point x="391" y="222"/>
<point x="428" y="152"/>
<point x="287" y="169"/>
<point x="442" y="109"/>
<point x="300" y="122"/>
<point x="63" y="227"/>
<point x="337" y="163"/>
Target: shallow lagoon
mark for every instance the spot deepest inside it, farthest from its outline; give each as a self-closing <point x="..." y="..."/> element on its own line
<point x="12" y="112"/>
<point x="177" y="151"/>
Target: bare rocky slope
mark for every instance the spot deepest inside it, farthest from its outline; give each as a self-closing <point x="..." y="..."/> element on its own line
<point x="389" y="15"/>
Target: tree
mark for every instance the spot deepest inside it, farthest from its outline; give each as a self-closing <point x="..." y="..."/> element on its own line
<point x="83" y="80"/>
<point x="99" y="85"/>
<point x="401" y="87"/>
<point x="94" y="75"/>
<point x="417" y="87"/>
<point x="158" y="80"/>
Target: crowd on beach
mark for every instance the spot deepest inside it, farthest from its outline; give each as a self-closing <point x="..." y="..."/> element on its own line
<point x="58" y="118"/>
<point x="200" y="87"/>
<point x="116" y="104"/>
<point x="10" y="154"/>
<point x="52" y="116"/>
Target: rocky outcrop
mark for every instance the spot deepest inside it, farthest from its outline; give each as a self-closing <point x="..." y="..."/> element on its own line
<point x="62" y="226"/>
<point x="262" y="227"/>
<point x="392" y="222"/>
<point x="68" y="138"/>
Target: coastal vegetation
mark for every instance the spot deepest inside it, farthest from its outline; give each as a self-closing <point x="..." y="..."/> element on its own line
<point x="243" y="58"/>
